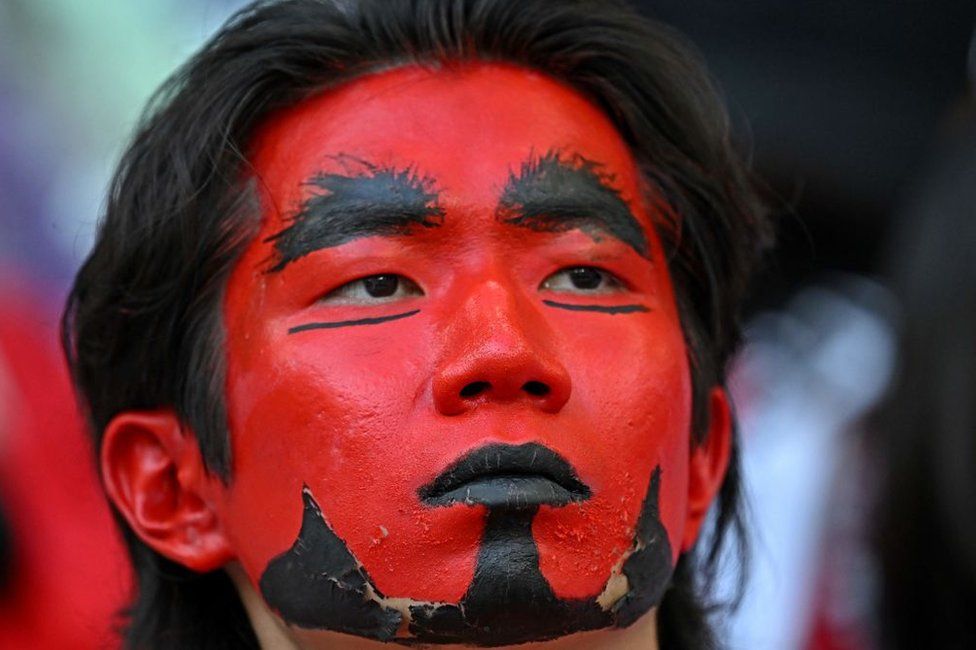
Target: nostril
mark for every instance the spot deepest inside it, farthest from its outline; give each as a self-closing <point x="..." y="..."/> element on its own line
<point x="475" y="388"/>
<point x="536" y="388"/>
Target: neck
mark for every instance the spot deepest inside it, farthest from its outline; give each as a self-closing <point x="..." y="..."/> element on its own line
<point x="273" y="634"/>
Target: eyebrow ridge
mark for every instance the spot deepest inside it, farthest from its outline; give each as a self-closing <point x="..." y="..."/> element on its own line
<point x="384" y="201"/>
<point x="556" y="192"/>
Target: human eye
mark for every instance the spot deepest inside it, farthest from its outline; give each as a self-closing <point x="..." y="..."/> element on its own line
<point x="582" y="280"/>
<point x="373" y="289"/>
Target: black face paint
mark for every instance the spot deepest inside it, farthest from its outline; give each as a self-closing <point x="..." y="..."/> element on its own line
<point x="380" y="201"/>
<point x="510" y="601"/>
<point x="553" y="194"/>
<point x="348" y="323"/>
<point x="318" y="584"/>
<point x="507" y="476"/>
<point x="648" y="569"/>
<point x="618" y="309"/>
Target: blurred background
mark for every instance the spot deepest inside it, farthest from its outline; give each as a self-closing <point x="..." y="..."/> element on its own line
<point x="860" y="117"/>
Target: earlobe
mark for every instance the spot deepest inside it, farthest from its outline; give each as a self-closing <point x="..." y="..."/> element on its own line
<point x="154" y="474"/>
<point x="707" y="465"/>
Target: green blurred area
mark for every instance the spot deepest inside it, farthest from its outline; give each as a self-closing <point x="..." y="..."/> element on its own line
<point x="74" y="77"/>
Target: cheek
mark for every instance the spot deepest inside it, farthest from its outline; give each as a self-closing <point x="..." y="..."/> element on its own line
<point x="299" y="411"/>
<point x="347" y="420"/>
<point x="639" y="415"/>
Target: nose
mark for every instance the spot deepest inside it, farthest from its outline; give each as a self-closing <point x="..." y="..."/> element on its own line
<point x="497" y="350"/>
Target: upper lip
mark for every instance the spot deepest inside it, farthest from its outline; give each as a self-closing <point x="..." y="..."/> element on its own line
<point x="504" y="461"/>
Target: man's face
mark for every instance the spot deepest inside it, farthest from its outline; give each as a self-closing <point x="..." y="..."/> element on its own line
<point x="454" y="346"/>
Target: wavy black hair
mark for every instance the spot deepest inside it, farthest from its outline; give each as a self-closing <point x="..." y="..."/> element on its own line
<point x="142" y="326"/>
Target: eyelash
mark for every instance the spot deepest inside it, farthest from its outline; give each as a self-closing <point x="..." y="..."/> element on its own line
<point x="393" y="286"/>
<point x="398" y="286"/>
<point x="577" y="275"/>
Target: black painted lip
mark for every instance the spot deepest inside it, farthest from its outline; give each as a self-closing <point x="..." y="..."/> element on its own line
<point x="507" y="476"/>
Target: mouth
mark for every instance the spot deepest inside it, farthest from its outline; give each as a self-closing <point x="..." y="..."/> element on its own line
<point x="507" y="476"/>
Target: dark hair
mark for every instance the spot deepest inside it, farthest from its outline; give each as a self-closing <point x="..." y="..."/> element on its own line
<point x="143" y="326"/>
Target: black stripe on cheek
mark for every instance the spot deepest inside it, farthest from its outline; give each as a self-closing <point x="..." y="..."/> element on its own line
<point x="348" y="323"/>
<point x="619" y="309"/>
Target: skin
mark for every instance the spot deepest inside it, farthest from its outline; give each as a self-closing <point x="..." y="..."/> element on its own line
<point x="364" y="400"/>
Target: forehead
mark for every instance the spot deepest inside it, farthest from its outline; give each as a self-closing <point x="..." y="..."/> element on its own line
<point x="467" y="127"/>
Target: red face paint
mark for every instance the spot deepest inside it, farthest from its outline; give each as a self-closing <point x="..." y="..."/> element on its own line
<point x="471" y="328"/>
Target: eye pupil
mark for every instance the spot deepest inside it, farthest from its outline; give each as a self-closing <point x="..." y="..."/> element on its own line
<point x="585" y="277"/>
<point x="381" y="286"/>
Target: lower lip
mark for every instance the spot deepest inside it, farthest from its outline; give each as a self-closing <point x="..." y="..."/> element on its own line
<point x="510" y="492"/>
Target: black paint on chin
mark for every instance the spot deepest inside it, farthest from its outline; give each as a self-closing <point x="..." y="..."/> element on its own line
<point x="318" y="584"/>
<point x="510" y="601"/>
<point x="603" y="309"/>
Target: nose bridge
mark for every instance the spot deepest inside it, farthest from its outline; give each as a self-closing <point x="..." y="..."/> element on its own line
<point x="498" y="349"/>
<point x="498" y="316"/>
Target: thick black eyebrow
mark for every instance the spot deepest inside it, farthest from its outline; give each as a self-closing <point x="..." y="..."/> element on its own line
<point x="383" y="201"/>
<point x="556" y="192"/>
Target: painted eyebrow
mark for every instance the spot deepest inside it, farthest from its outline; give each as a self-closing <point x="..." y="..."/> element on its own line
<point x="556" y="192"/>
<point x="384" y="201"/>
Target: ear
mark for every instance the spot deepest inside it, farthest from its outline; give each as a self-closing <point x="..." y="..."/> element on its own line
<point x="154" y="474"/>
<point x="707" y="465"/>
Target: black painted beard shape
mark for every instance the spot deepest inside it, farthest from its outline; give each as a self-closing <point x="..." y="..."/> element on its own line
<point x="319" y="584"/>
